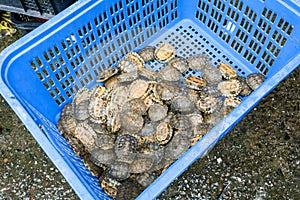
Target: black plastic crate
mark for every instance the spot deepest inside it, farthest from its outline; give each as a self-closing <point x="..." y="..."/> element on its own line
<point x="37" y="8"/>
<point x="26" y="23"/>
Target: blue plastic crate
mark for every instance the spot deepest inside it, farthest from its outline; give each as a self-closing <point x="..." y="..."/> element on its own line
<point x="41" y="72"/>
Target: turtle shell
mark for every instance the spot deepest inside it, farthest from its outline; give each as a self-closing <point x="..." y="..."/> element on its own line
<point x="230" y="88"/>
<point x="164" y="52"/>
<point x="182" y="104"/>
<point x="227" y="71"/>
<point x="245" y="89"/>
<point x="211" y="74"/>
<point x="179" y="63"/>
<point x="209" y="104"/>
<point x="106" y="74"/>
<point x="198" y="62"/>
<point x="254" y="80"/>
<point x="127" y="77"/>
<point x="148" y="74"/>
<point x="136" y="105"/>
<point x="126" y="65"/>
<point x="102" y="157"/>
<point x="131" y="121"/>
<point x="140" y="164"/>
<point x="138" y="89"/>
<point x="125" y="147"/>
<point x="119" y="95"/>
<point x="180" y="122"/>
<point x="86" y="135"/>
<point x="163" y="133"/>
<point x="157" y="112"/>
<point x="136" y="59"/>
<point x="118" y="170"/>
<point x="146" y="178"/>
<point x="169" y="73"/>
<point x="147" y="53"/>
<point x="177" y="146"/>
<point x="110" y="186"/>
<point x="195" y="82"/>
<point x="232" y="101"/>
<point x="105" y="141"/>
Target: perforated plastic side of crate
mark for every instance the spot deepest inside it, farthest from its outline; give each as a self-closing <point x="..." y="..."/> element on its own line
<point x="256" y="32"/>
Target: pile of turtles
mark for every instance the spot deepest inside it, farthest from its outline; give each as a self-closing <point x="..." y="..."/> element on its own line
<point x="137" y="121"/>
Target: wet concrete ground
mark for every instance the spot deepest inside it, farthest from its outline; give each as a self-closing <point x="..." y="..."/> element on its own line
<point x="259" y="158"/>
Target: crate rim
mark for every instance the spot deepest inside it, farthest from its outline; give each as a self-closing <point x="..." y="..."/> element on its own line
<point x="8" y="55"/>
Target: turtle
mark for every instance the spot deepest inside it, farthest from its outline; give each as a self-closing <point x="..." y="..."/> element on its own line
<point x="192" y="95"/>
<point x="198" y="61"/>
<point x="97" y="109"/>
<point x="146" y="178"/>
<point x="209" y="104"/>
<point x="177" y="146"/>
<point x="140" y="164"/>
<point x="209" y="91"/>
<point x="232" y="102"/>
<point x="131" y="121"/>
<point x="80" y="104"/>
<point x="129" y="189"/>
<point x="110" y="186"/>
<point x="125" y="147"/>
<point x="118" y="170"/>
<point x="113" y="120"/>
<point x="182" y="104"/>
<point x="230" y="88"/>
<point x="136" y="59"/>
<point x="136" y="105"/>
<point x="67" y="110"/>
<point x="112" y="82"/>
<point x="169" y="73"/>
<point x="213" y="118"/>
<point x="138" y="89"/>
<point x="152" y="150"/>
<point x="67" y="123"/>
<point x="245" y="89"/>
<point x="82" y="94"/>
<point x="180" y="122"/>
<point x="195" y="119"/>
<point x="229" y="104"/>
<point x="148" y="74"/>
<point x="164" y="133"/>
<point x="227" y="71"/>
<point x="119" y="95"/>
<point x="147" y="53"/>
<point x="106" y="74"/>
<point x="211" y="74"/>
<point x="194" y="82"/>
<point x="102" y="157"/>
<point x="127" y="77"/>
<point x="126" y="65"/>
<point x="86" y="135"/>
<point x="105" y="141"/>
<point x="164" y="52"/>
<point x="166" y="92"/>
<point x="254" y="80"/>
<point x="148" y="130"/>
<point x="157" y="112"/>
<point x="199" y="130"/>
<point x="179" y="63"/>
<point x="81" y="110"/>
